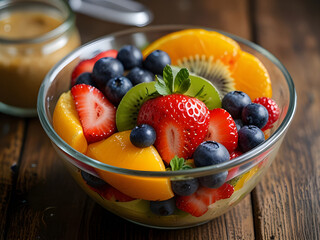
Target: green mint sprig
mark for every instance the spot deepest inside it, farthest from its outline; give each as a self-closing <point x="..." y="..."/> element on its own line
<point x="173" y="83"/>
<point x="177" y="164"/>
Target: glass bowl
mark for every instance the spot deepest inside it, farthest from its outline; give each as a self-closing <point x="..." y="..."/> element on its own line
<point x="245" y="171"/>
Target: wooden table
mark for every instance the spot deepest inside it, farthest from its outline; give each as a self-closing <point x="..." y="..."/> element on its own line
<point x="39" y="199"/>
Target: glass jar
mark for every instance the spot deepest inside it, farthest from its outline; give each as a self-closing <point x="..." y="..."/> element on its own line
<point x="34" y="36"/>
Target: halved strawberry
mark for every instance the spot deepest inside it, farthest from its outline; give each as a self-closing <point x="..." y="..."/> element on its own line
<point x="82" y="67"/>
<point x="272" y="108"/>
<point x="222" y="129"/>
<point x="110" y="53"/>
<point x="97" y="115"/>
<point x="110" y="193"/>
<point x="197" y="203"/>
<point x="113" y="194"/>
<point x="232" y="172"/>
<point x="87" y="65"/>
<point x="180" y="122"/>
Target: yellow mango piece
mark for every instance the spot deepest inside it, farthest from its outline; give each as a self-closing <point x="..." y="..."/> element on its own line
<point x="117" y="150"/>
<point x="245" y="178"/>
<point x="67" y="124"/>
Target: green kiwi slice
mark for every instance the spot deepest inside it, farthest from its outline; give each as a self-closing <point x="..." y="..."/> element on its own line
<point x="128" y="109"/>
<point x="213" y="70"/>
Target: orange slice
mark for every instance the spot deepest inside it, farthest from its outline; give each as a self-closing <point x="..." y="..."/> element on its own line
<point x="193" y="42"/>
<point x="67" y="124"/>
<point x="217" y="58"/>
<point x="118" y="151"/>
<point x="251" y="76"/>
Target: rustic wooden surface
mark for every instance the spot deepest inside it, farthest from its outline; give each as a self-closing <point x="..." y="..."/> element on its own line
<point x="39" y="199"/>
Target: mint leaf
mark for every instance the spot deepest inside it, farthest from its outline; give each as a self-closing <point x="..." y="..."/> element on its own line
<point x="182" y="81"/>
<point x="168" y="77"/>
<point x="161" y="87"/>
<point x="177" y="163"/>
<point x="184" y="86"/>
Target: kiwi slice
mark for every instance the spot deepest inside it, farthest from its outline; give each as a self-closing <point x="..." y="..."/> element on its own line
<point x="202" y="89"/>
<point x="213" y="70"/>
<point x="128" y="108"/>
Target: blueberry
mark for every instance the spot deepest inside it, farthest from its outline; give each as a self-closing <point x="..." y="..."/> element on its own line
<point x="255" y="114"/>
<point x="92" y="181"/>
<point x="156" y="61"/>
<point x="139" y="75"/>
<point x="105" y="69"/>
<point x="143" y="136"/>
<point x="185" y="187"/>
<point x="130" y="57"/>
<point x="210" y="153"/>
<point x="116" y="88"/>
<point x="85" y="78"/>
<point x="214" y="181"/>
<point x="233" y="102"/>
<point x="239" y="124"/>
<point x="163" y="208"/>
<point x="249" y="137"/>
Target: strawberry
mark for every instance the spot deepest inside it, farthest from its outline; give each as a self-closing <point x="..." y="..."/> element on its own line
<point x="110" y="53"/>
<point x="232" y="172"/>
<point x="180" y="122"/>
<point x="110" y="193"/>
<point x="222" y="129"/>
<point x="87" y="65"/>
<point x="113" y="194"/>
<point x="197" y="203"/>
<point x="82" y="67"/>
<point x="272" y="108"/>
<point x="96" y="113"/>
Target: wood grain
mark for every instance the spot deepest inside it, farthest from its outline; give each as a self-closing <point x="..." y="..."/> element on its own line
<point x="287" y="200"/>
<point x="11" y="141"/>
<point x="47" y="203"/>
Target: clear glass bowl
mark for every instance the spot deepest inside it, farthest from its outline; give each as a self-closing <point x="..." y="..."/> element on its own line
<point x="250" y="167"/>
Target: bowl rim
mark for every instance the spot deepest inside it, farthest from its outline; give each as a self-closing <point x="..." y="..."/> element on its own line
<point x="241" y="160"/>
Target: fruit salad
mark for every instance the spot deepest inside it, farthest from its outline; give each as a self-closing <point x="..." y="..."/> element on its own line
<point x="191" y="99"/>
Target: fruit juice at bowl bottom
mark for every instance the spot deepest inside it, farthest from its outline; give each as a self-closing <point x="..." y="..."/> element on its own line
<point x="34" y="35"/>
<point x="138" y="210"/>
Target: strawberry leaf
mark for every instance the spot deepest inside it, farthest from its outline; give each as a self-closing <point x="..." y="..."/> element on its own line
<point x="177" y="163"/>
<point x="182" y="81"/>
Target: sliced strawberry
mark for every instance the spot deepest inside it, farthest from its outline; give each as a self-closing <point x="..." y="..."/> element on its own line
<point x="222" y="129"/>
<point x="96" y="113"/>
<point x="113" y="194"/>
<point x="82" y="67"/>
<point x="197" y="203"/>
<point x="192" y="204"/>
<point x="87" y="65"/>
<point x="273" y="110"/>
<point x="110" y="193"/>
<point x="110" y="53"/>
<point x="180" y="122"/>
<point x="232" y="172"/>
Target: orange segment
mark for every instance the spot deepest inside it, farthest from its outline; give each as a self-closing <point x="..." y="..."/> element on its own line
<point x="67" y="124"/>
<point x="251" y="76"/>
<point x="118" y="151"/>
<point x="192" y="42"/>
